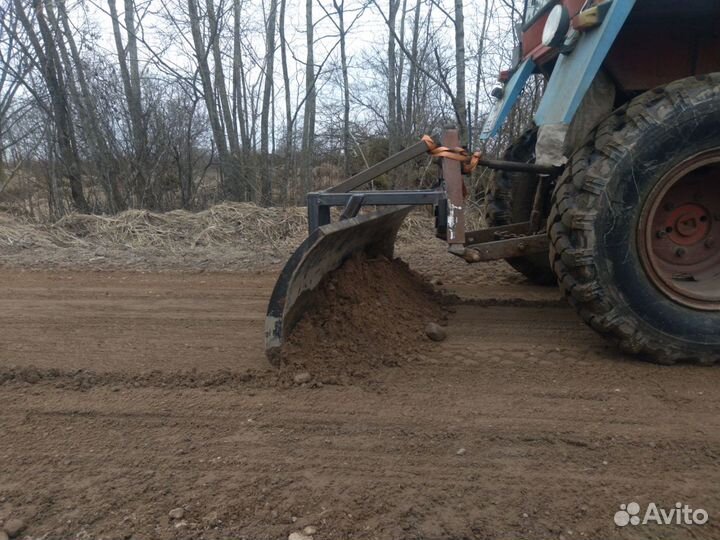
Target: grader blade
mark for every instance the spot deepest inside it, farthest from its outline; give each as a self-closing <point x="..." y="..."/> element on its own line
<point x="323" y="251"/>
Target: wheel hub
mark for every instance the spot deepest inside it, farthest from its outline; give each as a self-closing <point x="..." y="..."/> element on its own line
<point x="689" y="224"/>
<point x="680" y="232"/>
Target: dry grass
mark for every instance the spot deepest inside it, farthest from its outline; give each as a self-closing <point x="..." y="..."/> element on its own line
<point x="227" y="226"/>
<point x="220" y="225"/>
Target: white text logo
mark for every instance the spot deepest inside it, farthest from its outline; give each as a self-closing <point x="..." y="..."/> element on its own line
<point x="680" y="514"/>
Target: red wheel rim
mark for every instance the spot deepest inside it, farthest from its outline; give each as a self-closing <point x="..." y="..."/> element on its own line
<point x="679" y="232"/>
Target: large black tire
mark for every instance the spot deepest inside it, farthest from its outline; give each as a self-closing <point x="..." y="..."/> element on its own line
<point x="597" y="209"/>
<point x="509" y="199"/>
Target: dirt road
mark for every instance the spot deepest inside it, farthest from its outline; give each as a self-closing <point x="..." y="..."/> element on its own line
<point x="124" y="396"/>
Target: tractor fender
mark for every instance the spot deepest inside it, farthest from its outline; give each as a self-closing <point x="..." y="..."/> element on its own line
<point x="574" y="72"/>
<point x="571" y="78"/>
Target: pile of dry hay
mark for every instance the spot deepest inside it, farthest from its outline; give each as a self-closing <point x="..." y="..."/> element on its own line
<point x="223" y="224"/>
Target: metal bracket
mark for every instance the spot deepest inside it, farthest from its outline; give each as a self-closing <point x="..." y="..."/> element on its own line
<point x="352" y="206"/>
<point x="505" y="249"/>
<point x="319" y="203"/>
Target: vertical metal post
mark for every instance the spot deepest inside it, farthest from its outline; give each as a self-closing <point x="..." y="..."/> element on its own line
<point x="452" y="175"/>
<point x="318" y="213"/>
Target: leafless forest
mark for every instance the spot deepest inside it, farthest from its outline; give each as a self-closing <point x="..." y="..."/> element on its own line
<point x="164" y="104"/>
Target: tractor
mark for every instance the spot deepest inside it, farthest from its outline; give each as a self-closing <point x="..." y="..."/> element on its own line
<point x="614" y="194"/>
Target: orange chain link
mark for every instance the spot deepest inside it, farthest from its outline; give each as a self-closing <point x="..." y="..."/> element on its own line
<point x="470" y="161"/>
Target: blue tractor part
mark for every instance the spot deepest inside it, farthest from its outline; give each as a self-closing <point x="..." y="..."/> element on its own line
<point x="573" y="73"/>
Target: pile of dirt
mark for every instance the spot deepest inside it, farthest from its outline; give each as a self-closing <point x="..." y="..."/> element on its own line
<point x="368" y="313"/>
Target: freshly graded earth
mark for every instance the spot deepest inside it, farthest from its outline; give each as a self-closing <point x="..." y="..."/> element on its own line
<point x="367" y="314"/>
<point x="127" y="395"/>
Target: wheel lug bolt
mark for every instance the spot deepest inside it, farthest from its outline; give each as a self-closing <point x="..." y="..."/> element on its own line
<point x="680" y="252"/>
<point x="661" y="234"/>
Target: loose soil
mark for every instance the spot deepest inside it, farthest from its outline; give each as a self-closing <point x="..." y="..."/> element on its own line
<point x="124" y="395"/>
<point x="367" y="314"/>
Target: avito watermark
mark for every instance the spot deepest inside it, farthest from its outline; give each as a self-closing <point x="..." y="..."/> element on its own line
<point x="680" y="514"/>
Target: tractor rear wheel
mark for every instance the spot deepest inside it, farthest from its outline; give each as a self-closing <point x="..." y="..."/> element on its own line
<point x="509" y="199"/>
<point x="635" y="224"/>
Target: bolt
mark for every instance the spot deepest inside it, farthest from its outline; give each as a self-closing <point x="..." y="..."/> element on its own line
<point x="710" y="243"/>
<point x="522" y="246"/>
<point x="680" y="252"/>
<point x="661" y="234"/>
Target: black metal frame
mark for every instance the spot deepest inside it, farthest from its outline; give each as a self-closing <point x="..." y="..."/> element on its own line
<point x="319" y="203"/>
<point x="493" y="243"/>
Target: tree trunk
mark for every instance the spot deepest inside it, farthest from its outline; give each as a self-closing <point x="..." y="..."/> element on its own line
<point x="399" y="74"/>
<point x="392" y="79"/>
<point x="51" y="68"/>
<point x="480" y="58"/>
<point x="289" y="128"/>
<point x="130" y="75"/>
<point x="266" y="198"/>
<point x="412" y="74"/>
<point x="340" y="9"/>
<point x="234" y="171"/>
<point x="239" y="101"/>
<point x="106" y="164"/>
<point x="310" y="97"/>
<point x="460" y="101"/>
<point x="201" y="55"/>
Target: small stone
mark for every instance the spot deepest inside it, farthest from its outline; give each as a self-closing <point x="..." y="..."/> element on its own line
<point x="211" y="520"/>
<point x="309" y="530"/>
<point x="13" y="527"/>
<point x="182" y="524"/>
<point x="435" y="332"/>
<point x="525" y="515"/>
<point x="177" y="513"/>
<point x="461" y="452"/>
<point x="302" y="377"/>
<point x="299" y="536"/>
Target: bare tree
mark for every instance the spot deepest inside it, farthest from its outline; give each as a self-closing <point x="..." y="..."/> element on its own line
<point x="128" y="63"/>
<point x="460" y="100"/>
<point x="227" y="153"/>
<point x="266" y="197"/>
<point x="13" y="69"/>
<point x="289" y="120"/>
<point x="412" y="74"/>
<point x="195" y="88"/>
<point x="392" y="76"/>
<point x="310" y="100"/>
<point x="47" y="59"/>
